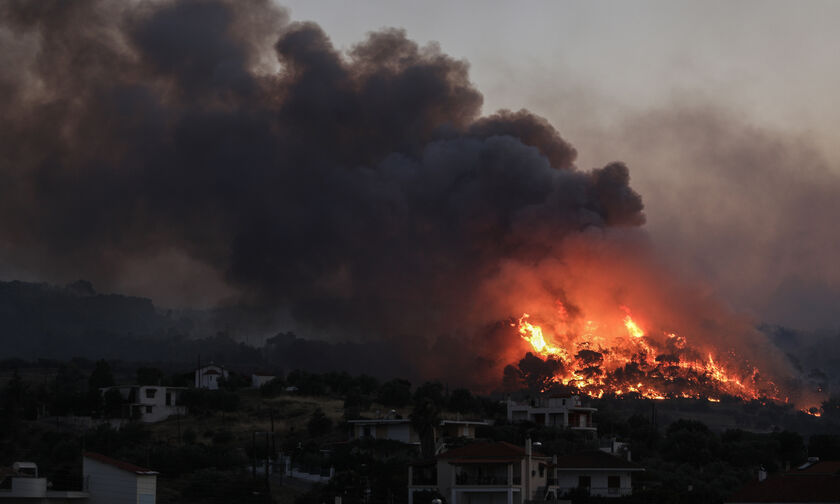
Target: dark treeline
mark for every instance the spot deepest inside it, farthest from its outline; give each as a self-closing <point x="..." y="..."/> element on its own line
<point x="685" y="459"/>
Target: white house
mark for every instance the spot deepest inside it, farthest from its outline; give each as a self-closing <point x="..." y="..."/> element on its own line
<point x="24" y="484"/>
<point x="593" y="473"/>
<point x="502" y="473"/>
<point x="111" y="481"/>
<point x="400" y="429"/>
<point x="259" y="379"/>
<point x="557" y="409"/>
<point x="208" y="376"/>
<point x="483" y="473"/>
<point x="151" y="403"/>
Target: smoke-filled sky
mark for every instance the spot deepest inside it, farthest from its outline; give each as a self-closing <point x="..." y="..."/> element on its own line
<point x="726" y="112"/>
<point x="360" y="178"/>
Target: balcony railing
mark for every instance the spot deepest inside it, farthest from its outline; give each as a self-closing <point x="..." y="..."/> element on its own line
<point x="593" y="491"/>
<point x="474" y="479"/>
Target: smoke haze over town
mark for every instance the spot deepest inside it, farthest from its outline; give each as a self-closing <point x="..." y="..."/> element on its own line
<point x="207" y="153"/>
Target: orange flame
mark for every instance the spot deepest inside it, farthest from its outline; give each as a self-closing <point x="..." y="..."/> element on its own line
<point x="598" y="358"/>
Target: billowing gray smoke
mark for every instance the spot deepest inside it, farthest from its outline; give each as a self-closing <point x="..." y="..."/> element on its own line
<point x="363" y="191"/>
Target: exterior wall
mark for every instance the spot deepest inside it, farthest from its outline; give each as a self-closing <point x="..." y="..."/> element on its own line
<point x="568" y="480"/>
<point x="209" y="381"/>
<point x="109" y="485"/>
<point x="397" y="431"/>
<point x="146" y="489"/>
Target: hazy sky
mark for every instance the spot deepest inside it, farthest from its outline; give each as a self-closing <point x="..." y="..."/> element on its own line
<point x="726" y="112"/>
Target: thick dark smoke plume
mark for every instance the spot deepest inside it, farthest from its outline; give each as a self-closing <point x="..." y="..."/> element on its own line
<point x="362" y="191"/>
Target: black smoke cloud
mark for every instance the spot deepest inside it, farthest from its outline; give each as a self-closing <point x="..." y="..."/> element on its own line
<point x="363" y="192"/>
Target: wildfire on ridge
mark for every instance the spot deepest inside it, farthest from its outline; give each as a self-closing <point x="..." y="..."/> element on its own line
<point x="619" y="357"/>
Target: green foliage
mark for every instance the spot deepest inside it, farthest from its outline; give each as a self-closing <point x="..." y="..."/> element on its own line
<point x="101" y="377"/>
<point x="824" y="446"/>
<point x="273" y="388"/>
<point x="395" y="393"/>
<point x="318" y="424"/>
<point x="149" y="376"/>
<point x="203" y="401"/>
<point x="425" y="417"/>
<point x="432" y="391"/>
<point x="113" y="403"/>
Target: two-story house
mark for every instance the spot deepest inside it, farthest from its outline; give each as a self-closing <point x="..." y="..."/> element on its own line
<point x="502" y="473"/>
<point x="150" y="403"/>
<point x="564" y="409"/>
<point x="400" y="429"/>
<point x="483" y="473"/>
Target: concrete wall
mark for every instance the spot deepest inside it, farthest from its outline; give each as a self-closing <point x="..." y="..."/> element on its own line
<point x="146" y="489"/>
<point x="598" y="481"/>
<point x="109" y="485"/>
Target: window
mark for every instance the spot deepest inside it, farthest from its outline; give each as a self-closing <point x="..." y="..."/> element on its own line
<point x="148" y="409"/>
<point x="613" y="484"/>
<point x="147" y="499"/>
<point x="584" y="482"/>
<point x="366" y="431"/>
<point x="169" y="398"/>
<point x="150" y="393"/>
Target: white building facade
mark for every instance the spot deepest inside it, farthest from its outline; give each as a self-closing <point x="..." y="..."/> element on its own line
<point x="208" y="377"/>
<point x="111" y="481"/>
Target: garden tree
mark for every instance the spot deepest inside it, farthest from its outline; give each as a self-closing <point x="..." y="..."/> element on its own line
<point x="512" y="379"/>
<point x="101" y="376"/>
<point x="395" y="393"/>
<point x="354" y="403"/>
<point x="462" y="401"/>
<point x="425" y="417"/>
<point x="234" y="381"/>
<point x="538" y="374"/>
<point x="68" y="391"/>
<point x="149" y="376"/>
<point x="690" y="442"/>
<point x="307" y="383"/>
<point x="430" y="390"/>
<point x="273" y="387"/>
<point x="824" y="446"/>
<point x="318" y="424"/>
<point x="113" y="403"/>
<point x="831" y="408"/>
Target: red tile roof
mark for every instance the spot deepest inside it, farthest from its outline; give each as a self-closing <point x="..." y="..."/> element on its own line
<point x="119" y="464"/>
<point x="486" y="452"/>
<point x="791" y="487"/>
<point x="595" y="460"/>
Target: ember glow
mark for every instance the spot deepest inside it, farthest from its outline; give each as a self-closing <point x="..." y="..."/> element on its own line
<point x="621" y="356"/>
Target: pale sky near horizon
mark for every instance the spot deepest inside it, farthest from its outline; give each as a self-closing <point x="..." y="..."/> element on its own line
<point x="771" y="61"/>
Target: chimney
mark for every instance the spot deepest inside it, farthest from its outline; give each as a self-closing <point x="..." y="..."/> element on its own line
<point x="528" y="447"/>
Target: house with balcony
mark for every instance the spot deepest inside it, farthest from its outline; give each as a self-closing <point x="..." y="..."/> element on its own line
<point x="558" y="409"/>
<point x="396" y="428"/>
<point x="482" y="473"/>
<point x="150" y="403"/>
<point x="595" y="473"/>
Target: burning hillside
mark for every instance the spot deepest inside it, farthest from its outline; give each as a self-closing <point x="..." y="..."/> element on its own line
<point x="360" y="193"/>
<point x="619" y="357"/>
